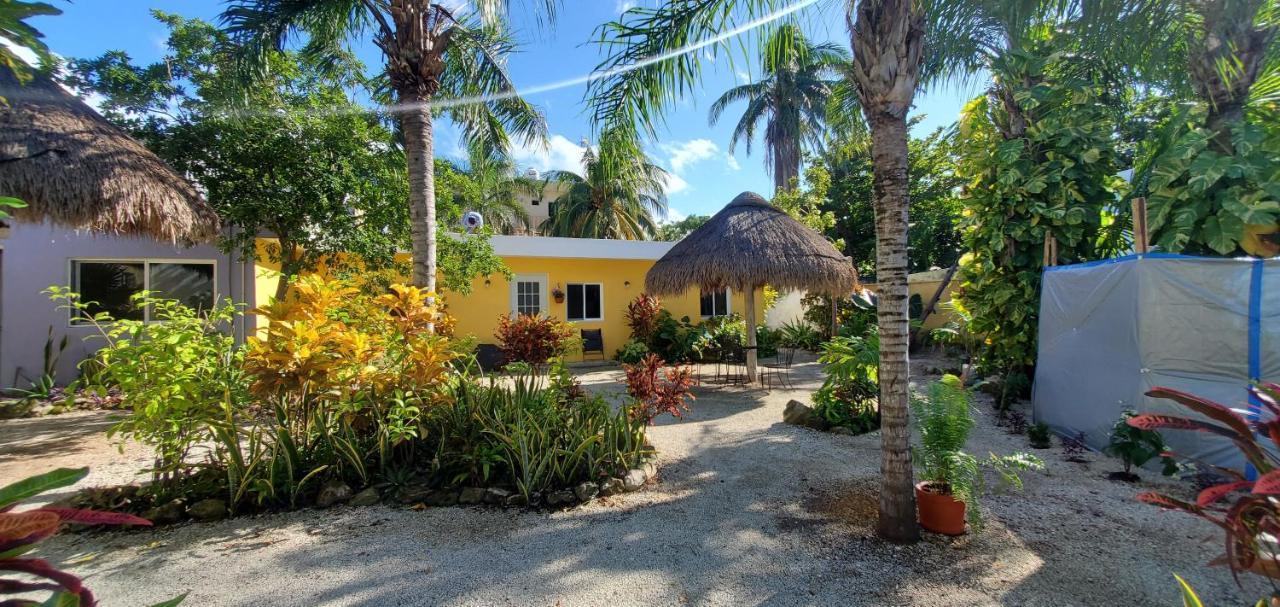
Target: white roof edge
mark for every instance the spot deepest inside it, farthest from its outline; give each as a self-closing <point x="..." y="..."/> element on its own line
<point x="578" y="248"/>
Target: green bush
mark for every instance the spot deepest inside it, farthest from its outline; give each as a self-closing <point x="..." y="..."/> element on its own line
<point x="177" y="376"/>
<point x="1039" y="437"/>
<point x="1136" y="446"/>
<point x="849" y="395"/>
<point x="799" y="334"/>
<point x="631" y="352"/>
<point x="525" y="436"/>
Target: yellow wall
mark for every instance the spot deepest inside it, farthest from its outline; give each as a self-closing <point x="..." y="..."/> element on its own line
<point x="925" y="284"/>
<point x="477" y="314"/>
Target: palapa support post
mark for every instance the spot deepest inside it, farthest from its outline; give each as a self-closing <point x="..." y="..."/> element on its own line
<point x="1141" y="244"/>
<point x="751" y="335"/>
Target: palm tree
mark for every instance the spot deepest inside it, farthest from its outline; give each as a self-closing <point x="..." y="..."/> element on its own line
<point x="791" y="100"/>
<point x="618" y="195"/>
<point x="887" y="38"/>
<point x="431" y="51"/>
<point x="499" y="184"/>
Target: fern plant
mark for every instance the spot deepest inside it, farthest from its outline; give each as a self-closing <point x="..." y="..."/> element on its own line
<point x="944" y="420"/>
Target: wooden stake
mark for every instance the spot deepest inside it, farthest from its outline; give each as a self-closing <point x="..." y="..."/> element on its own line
<point x="1141" y="242"/>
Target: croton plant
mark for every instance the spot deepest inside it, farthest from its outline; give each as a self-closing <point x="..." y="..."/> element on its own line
<point x="20" y="531"/>
<point x="1247" y="506"/>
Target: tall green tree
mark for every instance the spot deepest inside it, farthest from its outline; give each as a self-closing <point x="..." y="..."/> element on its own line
<point x="306" y="163"/>
<point x="790" y="99"/>
<point x="676" y="230"/>
<point x="935" y="211"/>
<point x="1212" y="175"/>
<point x="497" y="194"/>
<point x="887" y="38"/>
<point x="620" y="194"/>
<point x="432" y="54"/>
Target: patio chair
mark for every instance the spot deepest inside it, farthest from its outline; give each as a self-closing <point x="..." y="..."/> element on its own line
<point x="733" y="358"/>
<point x="593" y="341"/>
<point x="779" y="368"/>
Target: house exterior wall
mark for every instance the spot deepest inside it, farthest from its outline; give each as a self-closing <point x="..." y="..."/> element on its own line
<point x="617" y="266"/>
<point x="36" y="256"/>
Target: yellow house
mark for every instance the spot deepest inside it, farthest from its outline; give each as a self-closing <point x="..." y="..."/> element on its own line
<point x="586" y="281"/>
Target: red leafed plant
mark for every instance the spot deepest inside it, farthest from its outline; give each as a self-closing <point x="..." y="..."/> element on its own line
<point x="21" y="531"/>
<point x="642" y="316"/>
<point x="1246" y="510"/>
<point x="533" y="339"/>
<point x="658" y="390"/>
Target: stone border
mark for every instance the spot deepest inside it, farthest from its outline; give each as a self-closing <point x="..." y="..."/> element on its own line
<point x="584" y="492"/>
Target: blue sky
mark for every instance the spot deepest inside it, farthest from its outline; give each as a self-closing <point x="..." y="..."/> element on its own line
<point x="704" y="175"/>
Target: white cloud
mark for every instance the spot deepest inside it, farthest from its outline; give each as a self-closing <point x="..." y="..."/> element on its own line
<point x="682" y="155"/>
<point x="732" y="162"/>
<point x="673" y="215"/>
<point x="743" y="77"/>
<point x="561" y="154"/>
<point x="622" y="6"/>
<point x="27" y="55"/>
<point x="675" y="184"/>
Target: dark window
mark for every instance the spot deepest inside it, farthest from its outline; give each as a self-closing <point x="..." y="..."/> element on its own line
<point x="536" y="201"/>
<point x="714" y="303"/>
<point x="189" y="283"/>
<point x="915" y="307"/>
<point x="108" y="286"/>
<point x="583" y="302"/>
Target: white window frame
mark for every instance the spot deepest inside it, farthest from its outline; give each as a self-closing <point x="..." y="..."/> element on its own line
<point x="74" y="319"/>
<point x="584" y="302"/>
<point x="541" y="279"/>
<point x="728" y="305"/>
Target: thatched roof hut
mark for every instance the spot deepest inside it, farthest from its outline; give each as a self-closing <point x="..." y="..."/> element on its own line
<point x="745" y="246"/>
<point x="73" y="167"/>
<point x="748" y="244"/>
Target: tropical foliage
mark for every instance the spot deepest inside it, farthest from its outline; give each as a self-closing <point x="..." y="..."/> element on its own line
<point x="1243" y="507"/>
<point x="430" y="51"/>
<point x="22" y="530"/>
<point x="656" y="388"/>
<point x="14" y="28"/>
<point x="790" y="98"/>
<point x="1041" y="167"/>
<point x="620" y="194"/>
<point x="848" y="396"/>
<point x="534" y="340"/>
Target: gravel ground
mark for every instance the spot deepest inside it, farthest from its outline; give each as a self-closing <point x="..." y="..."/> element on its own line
<point x="747" y="511"/>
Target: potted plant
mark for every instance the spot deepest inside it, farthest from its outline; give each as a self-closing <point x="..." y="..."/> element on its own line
<point x="952" y="480"/>
<point x="557" y="294"/>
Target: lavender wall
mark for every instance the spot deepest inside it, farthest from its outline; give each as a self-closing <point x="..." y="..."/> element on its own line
<point x="38" y="255"/>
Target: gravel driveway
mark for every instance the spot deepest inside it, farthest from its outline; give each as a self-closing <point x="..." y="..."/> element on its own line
<point x="747" y="511"/>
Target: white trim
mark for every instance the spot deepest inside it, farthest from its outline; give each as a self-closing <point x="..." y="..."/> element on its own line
<point x="584" y="302"/>
<point x="146" y="277"/>
<point x="578" y="248"/>
<point x="541" y="279"/>
<point x="728" y="304"/>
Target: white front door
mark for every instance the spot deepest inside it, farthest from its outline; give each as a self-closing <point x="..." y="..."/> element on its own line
<point x="529" y="294"/>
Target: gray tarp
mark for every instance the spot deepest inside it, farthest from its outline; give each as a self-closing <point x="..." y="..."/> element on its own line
<point x="1111" y="330"/>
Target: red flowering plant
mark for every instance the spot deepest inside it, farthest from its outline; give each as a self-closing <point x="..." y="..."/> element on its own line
<point x="657" y="390"/>
<point x="534" y="340"/>
<point x="642" y="317"/>
<point x="1248" y="511"/>
<point x="20" y="532"/>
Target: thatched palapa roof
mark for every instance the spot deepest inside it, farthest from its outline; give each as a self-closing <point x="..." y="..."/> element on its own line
<point x="749" y="243"/>
<point x="73" y="167"/>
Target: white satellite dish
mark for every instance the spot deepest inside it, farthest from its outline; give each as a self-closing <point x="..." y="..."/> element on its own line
<point x="472" y="221"/>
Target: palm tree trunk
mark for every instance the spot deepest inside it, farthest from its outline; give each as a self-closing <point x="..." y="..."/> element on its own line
<point x="750" y="315"/>
<point x="419" y="147"/>
<point x="897" y="491"/>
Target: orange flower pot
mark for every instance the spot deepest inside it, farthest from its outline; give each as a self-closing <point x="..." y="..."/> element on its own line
<point x="939" y="511"/>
